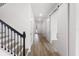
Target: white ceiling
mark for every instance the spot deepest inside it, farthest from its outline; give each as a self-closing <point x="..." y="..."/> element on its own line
<point x="42" y="9"/>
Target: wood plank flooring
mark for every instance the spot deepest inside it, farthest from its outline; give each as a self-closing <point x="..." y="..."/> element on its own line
<point x="43" y="48"/>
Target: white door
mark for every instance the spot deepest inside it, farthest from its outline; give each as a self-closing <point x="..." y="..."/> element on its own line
<point x="61" y="15"/>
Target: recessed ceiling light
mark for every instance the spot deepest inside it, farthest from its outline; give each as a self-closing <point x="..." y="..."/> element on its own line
<point x="41" y="14"/>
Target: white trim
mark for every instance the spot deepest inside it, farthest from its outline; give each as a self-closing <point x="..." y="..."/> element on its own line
<point x="55" y="9"/>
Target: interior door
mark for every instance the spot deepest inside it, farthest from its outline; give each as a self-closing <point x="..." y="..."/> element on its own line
<point x="61" y="15"/>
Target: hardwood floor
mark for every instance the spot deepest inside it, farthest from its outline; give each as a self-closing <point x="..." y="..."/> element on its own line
<point x="42" y="47"/>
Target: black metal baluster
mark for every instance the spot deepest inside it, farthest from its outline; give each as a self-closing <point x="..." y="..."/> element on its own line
<point x="5" y="37"/>
<point x="21" y="45"/>
<point x="0" y="31"/>
<point x="14" y="44"/>
<point x="8" y="39"/>
<point x="5" y="28"/>
<point x="11" y="42"/>
<point x="24" y="36"/>
<point x="1" y="35"/>
<point x="17" y="42"/>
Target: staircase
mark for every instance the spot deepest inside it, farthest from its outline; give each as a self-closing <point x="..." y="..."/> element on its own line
<point x="12" y="40"/>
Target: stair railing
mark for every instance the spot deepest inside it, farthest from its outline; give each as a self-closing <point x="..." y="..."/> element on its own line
<point x="8" y="36"/>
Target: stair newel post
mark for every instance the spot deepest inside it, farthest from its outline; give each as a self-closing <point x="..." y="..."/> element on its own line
<point x="24" y="36"/>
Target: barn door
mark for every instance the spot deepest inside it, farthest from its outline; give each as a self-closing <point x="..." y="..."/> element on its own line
<point x="61" y="16"/>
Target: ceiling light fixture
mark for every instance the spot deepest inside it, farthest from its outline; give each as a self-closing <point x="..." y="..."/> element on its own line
<point x="41" y="14"/>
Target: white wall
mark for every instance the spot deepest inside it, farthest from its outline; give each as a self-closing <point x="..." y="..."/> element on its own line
<point x="43" y="27"/>
<point x="53" y="26"/>
<point x="61" y="15"/>
<point x="77" y="28"/>
<point x="72" y="30"/>
<point x="20" y="17"/>
<point x="62" y="42"/>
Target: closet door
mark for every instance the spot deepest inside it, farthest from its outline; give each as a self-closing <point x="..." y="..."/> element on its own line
<point x="61" y="17"/>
